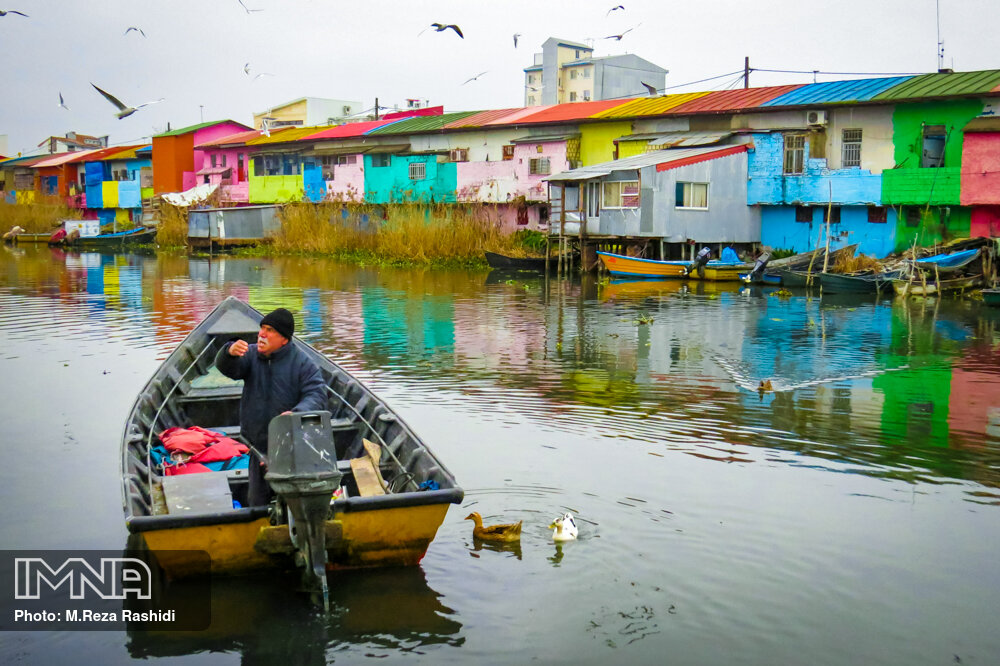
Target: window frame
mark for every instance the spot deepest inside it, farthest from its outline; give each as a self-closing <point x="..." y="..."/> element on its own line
<point x="879" y="212"/>
<point x="681" y="187"/>
<point x="420" y="167"/>
<point x="621" y="195"/>
<point x="381" y="160"/>
<point x="850" y="148"/>
<point x="804" y="214"/>
<point x="508" y="152"/>
<point x="535" y="166"/>
<point x="793" y="151"/>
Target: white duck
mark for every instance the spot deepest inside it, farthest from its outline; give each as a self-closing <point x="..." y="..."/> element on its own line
<point x="564" y="528"/>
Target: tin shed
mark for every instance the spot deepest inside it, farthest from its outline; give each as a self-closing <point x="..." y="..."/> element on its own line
<point x="227" y="227"/>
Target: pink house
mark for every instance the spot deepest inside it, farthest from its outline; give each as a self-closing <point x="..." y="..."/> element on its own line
<point x="341" y="158"/>
<point x="981" y="175"/>
<point x="225" y="162"/>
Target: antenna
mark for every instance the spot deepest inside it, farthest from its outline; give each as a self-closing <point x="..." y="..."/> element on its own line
<point x="940" y="44"/>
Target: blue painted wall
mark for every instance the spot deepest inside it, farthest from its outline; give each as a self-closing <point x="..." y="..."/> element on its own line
<point x="780" y="230"/>
<point x="93" y="182"/>
<point x="392" y="183"/>
<point x="129" y="194"/>
<point x="312" y="181"/>
<point x="768" y="185"/>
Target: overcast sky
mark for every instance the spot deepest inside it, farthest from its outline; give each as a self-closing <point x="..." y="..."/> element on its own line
<point x="194" y="51"/>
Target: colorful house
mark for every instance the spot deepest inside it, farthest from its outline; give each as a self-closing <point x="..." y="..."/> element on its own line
<point x="175" y="155"/>
<point x="980" y="188"/>
<point x="114" y="181"/>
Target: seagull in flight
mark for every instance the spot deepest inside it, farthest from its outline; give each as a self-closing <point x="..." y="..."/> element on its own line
<point x="260" y="75"/>
<point x="474" y="77"/>
<point x="132" y="27"/>
<point x="440" y="27"/>
<point x="614" y="8"/>
<point x="246" y="69"/>
<point x="619" y="37"/>
<point x="652" y="89"/>
<point x="516" y="35"/>
<point x="124" y="111"/>
<point x="247" y="9"/>
<point x="4" y="12"/>
<point x="62" y="102"/>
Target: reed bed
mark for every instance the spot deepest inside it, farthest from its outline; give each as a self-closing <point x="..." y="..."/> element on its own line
<point x="399" y="234"/>
<point x="862" y="262"/>
<point x="37" y="218"/>
<point x="172" y="229"/>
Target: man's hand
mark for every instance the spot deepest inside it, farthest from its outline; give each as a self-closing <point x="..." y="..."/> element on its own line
<point x="238" y="348"/>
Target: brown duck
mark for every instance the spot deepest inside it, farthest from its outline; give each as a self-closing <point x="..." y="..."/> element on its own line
<point x="508" y="532"/>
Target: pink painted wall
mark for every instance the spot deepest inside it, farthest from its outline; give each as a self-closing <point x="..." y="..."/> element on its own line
<point x="348" y="182"/>
<point x="533" y="186"/>
<point x="188" y="179"/>
<point x="981" y="168"/>
<point x="985" y="221"/>
<point x="504" y="181"/>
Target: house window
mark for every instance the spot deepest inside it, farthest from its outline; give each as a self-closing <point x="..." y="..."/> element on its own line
<point x="834" y="214"/>
<point x="850" y="152"/>
<point x="794" y="152"/>
<point x="343" y="160"/>
<point x="508" y="153"/>
<point x="878" y="214"/>
<point x="586" y="95"/>
<point x="692" y="195"/>
<point x="621" y="194"/>
<point x="458" y="155"/>
<point x="418" y="170"/>
<point x="540" y="165"/>
<point x="380" y="160"/>
<point x="328" y="164"/>
<point x="572" y="73"/>
<point x="913" y="216"/>
<point x="803" y="214"/>
<point x="578" y="54"/>
<point x="572" y="97"/>
<point x="223" y="161"/>
<point x="933" y="147"/>
<point x="586" y="73"/>
<point x="214" y="159"/>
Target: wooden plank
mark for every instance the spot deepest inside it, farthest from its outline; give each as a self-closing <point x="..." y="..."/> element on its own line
<point x="366" y="477"/>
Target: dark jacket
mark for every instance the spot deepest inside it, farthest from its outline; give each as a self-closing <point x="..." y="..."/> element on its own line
<point x="288" y="380"/>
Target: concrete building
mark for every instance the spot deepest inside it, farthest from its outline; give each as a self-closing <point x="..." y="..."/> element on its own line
<point x="567" y="71"/>
<point x="73" y="142"/>
<point x="307" y="111"/>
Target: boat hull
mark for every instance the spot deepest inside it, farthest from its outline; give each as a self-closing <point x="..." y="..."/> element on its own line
<point x="991" y="297"/>
<point x="501" y="261"/>
<point x="634" y="267"/>
<point x="930" y="288"/>
<point x="134" y="237"/>
<point x="836" y="283"/>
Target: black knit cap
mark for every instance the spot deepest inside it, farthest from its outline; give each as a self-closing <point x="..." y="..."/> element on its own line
<point x="280" y="320"/>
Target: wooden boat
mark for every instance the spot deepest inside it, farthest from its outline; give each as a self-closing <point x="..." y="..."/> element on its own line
<point x="31" y="238"/>
<point x="635" y="267"/>
<point x="504" y="262"/>
<point x="362" y="529"/>
<point x="855" y="283"/>
<point x="137" y="236"/>
<point x="991" y="297"/>
<point x="766" y="278"/>
<point x="915" y="286"/>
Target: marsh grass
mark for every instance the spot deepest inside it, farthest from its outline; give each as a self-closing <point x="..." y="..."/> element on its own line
<point x="172" y="229"/>
<point x="37" y="218"/>
<point x="862" y="262"/>
<point x="395" y="234"/>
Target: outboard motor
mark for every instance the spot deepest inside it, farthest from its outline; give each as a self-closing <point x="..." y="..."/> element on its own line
<point x="302" y="471"/>
<point x="699" y="261"/>
<point x="757" y="274"/>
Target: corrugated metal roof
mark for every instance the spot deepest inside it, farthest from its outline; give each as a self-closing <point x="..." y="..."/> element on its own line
<point x="982" y="124"/>
<point x="837" y="92"/>
<point x="733" y="100"/>
<point x="238" y="138"/>
<point x="124" y="153"/>
<point x="545" y="138"/>
<point x="657" y="157"/>
<point x="284" y="136"/>
<point x="945" y="85"/>
<point x="513" y="118"/>
<point x="28" y="161"/>
<point x="103" y="154"/>
<point x="688" y="139"/>
<point x="422" y="123"/>
<point x="64" y="158"/>
<point x="352" y="129"/>
<point x="569" y="111"/>
<point x="482" y="118"/>
<point x="195" y="128"/>
<point x="649" y="106"/>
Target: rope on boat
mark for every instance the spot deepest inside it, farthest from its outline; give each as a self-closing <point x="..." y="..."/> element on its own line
<point x="384" y="444"/>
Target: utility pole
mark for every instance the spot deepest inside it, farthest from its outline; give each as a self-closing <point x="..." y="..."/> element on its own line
<point x="746" y="72"/>
<point x="376" y="108"/>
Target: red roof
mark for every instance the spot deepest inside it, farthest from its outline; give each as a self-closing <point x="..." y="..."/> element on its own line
<point x="412" y="113"/>
<point x="103" y="153"/>
<point x="351" y="129"/>
<point x="703" y="157"/>
<point x="482" y="118"/>
<point x="238" y="137"/>
<point x="732" y="100"/>
<point x="570" y="111"/>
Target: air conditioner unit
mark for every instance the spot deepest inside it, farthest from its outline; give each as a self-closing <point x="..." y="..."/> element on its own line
<point x="816" y="117"/>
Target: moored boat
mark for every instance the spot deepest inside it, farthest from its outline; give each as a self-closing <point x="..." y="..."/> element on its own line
<point x="137" y="236"/>
<point x="855" y="283"/>
<point x="991" y="297"/>
<point x="915" y="286"/>
<point x="636" y="267"/>
<point x="364" y="526"/>
<point x="504" y="262"/>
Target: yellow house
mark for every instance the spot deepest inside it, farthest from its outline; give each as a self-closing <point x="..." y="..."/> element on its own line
<point x="307" y="111"/>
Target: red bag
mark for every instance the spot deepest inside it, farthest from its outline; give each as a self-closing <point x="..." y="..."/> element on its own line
<point x="224" y="449"/>
<point x="189" y="440"/>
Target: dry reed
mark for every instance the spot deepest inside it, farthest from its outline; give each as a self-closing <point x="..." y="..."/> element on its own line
<point x="36" y="218"/>
<point x="862" y="262"/>
<point x="172" y="230"/>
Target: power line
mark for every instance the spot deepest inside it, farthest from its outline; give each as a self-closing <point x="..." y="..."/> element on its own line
<point x="811" y="71"/>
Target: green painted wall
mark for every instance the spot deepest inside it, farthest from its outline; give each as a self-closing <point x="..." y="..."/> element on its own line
<point x="275" y="189"/>
<point x="908" y="183"/>
<point x="389" y="184"/>
<point x="930" y="230"/>
<point x="597" y="140"/>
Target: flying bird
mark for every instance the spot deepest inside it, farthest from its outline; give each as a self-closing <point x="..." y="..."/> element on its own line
<point x="652" y="89"/>
<point x="614" y="8"/>
<point x="4" y="12"/>
<point x="619" y="37"/>
<point x="260" y="75"/>
<point x="124" y="111"/>
<point x="516" y="35"/>
<point x="246" y="69"/>
<point x="440" y="27"/>
<point x="62" y="102"/>
<point x="474" y="77"/>
<point x="132" y="27"/>
<point x="247" y="9"/>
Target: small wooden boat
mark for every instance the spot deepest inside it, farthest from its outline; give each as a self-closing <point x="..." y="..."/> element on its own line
<point x="794" y="278"/>
<point x="31" y="238"/>
<point x="991" y="297"/>
<point x="765" y="278"/>
<point x="137" y="236"/>
<point x="855" y="283"/>
<point x="391" y="527"/>
<point x="635" y="267"/>
<point x="503" y="262"/>
<point x="915" y="286"/>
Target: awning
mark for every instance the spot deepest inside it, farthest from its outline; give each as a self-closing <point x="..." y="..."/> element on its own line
<point x="394" y="149"/>
<point x="213" y="170"/>
<point x="983" y="124"/>
<point x="342" y="149"/>
<point x="545" y="138"/>
<point x="577" y="174"/>
<point x="663" y="140"/>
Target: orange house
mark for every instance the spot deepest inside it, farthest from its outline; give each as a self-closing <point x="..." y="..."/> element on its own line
<point x="175" y="157"/>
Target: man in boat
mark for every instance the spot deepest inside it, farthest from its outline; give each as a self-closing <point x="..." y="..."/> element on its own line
<point x="278" y="378"/>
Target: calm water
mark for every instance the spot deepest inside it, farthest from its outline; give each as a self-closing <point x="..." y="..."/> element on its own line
<point x="850" y="517"/>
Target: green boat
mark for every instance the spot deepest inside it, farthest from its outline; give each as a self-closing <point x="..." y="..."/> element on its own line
<point x="991" y="297"/>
